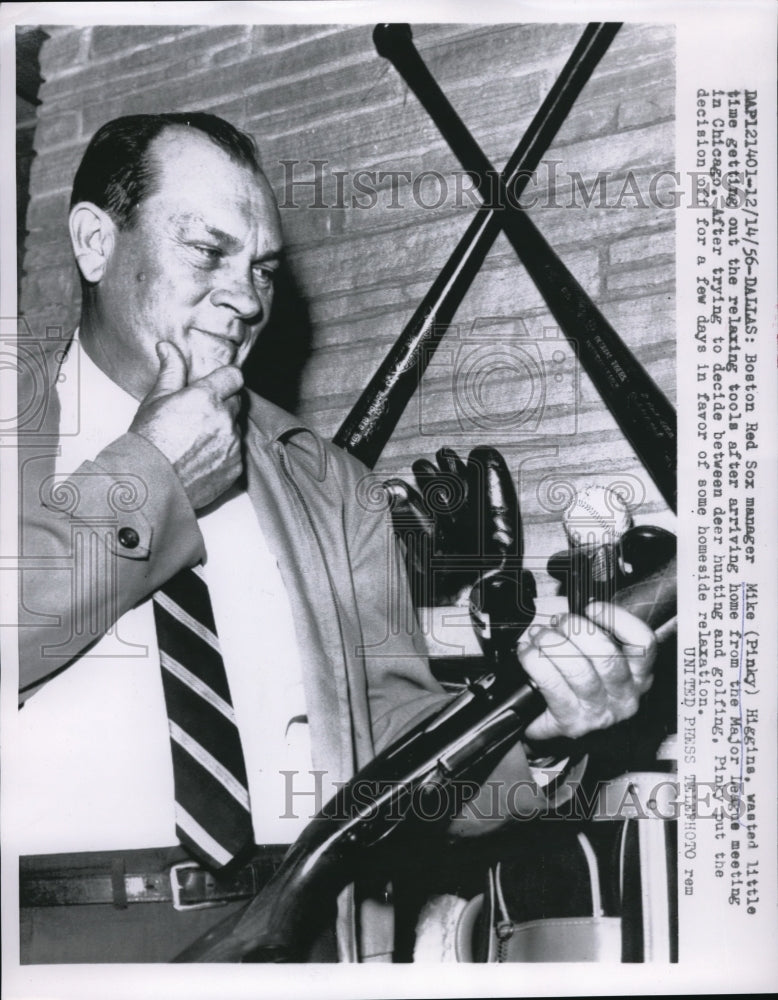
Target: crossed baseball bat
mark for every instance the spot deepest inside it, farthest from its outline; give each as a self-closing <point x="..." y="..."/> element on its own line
<point x="642" y="412"/>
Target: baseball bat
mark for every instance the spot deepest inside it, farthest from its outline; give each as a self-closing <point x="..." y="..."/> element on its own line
<point x="644" y="415"/>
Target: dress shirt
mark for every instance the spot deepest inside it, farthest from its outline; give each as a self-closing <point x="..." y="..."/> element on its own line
<point x="94" y="770"/>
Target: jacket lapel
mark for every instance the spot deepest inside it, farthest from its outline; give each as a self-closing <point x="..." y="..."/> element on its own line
<point x="282" y="458"/>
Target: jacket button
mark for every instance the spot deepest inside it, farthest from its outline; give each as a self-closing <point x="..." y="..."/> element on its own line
<point x="128" y="538"/>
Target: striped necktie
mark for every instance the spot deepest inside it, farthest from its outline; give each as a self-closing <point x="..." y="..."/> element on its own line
<point x="213" y="817"/>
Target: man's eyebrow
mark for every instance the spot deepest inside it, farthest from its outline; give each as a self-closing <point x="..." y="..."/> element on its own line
<point x="227" y="241"/>
<point x="230" y="243"/>
<point x="193" y="226"/>
<point x="269" y="257"/>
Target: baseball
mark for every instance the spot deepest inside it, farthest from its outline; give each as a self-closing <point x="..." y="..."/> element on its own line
<point x="597" y="516"/>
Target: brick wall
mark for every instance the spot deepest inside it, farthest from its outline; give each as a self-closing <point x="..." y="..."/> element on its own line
<point x="28" y="42"/>
<point x="320" y="93"/>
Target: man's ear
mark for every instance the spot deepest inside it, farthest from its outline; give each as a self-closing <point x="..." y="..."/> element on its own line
<point x="93" y="234"/>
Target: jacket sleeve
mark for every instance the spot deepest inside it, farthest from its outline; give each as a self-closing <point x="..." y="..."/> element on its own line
<point x="92" y="546"/>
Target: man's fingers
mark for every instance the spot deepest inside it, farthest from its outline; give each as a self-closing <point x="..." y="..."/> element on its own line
<point x="173" y="372"/>
<point x="607" y="657"/>
<point x="626" y="628"/>
<point x="562" y="715"/>
<point x="637" y="640"/>
<point x="588" y="678"/>
<point x="564" y="667"/>
<point x="224" y="382"/>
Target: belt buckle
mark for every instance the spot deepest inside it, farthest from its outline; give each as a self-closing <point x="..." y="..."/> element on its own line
<point x="176" y="887"/>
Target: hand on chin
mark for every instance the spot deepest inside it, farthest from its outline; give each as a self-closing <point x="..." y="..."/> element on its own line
<point x="207" y="353"/>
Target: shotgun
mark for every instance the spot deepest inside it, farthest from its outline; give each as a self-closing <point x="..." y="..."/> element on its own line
<point x="480" y="725"/>
<point x="436" y="761"/>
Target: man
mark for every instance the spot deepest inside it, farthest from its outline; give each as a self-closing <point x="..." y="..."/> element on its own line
<point x="177" y="239"/>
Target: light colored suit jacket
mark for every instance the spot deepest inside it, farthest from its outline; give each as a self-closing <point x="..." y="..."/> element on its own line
<point x="364" y="682"/>
<point x="365" y="673"/>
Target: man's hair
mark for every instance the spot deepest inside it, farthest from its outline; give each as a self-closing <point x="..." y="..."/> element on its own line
<point x="117" y="172"/>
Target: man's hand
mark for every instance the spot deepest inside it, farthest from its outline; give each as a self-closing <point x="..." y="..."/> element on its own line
<point x="591" y="670"/>
<point x="194" y="426"/>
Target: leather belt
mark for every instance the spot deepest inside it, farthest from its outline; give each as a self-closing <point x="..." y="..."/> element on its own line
<point x="153" y="875"/>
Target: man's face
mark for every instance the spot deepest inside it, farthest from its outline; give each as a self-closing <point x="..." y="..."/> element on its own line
<point x="196" y="269"/>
